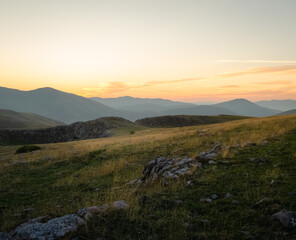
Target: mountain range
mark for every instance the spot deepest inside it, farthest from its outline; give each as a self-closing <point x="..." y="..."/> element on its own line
<point x="68" y="108"/>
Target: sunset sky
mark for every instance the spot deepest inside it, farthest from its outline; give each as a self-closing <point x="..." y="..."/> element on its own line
<point x="189" y="50"/>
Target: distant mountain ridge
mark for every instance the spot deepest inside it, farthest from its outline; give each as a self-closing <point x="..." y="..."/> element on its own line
<point x="54" y="104"/>
<point x="281" y="105"/>
<point x="140" y="104"/>
<point x="14" y="120"/>
<point x="69" y="108"/>
<point x="244" y="107"/>
<point x="293" y="111"/>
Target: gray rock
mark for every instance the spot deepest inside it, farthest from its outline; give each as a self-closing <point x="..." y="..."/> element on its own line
<point x="183" y="161"/>
<point x="88" y="212"/>
<point x="168" y="174"/>
<point x="207" y="200"/>
<point x="228" y="195"/>
<point x="263" y="201"/>
<point x="182" y="171"/>
<point x="235" y="202"/>
<point x="205" y="157"/>
<point x="162" y="169"/>
<point x="51" y="230"/>
<point x="5" y="236"/>
<point x="97" y="189"/>
<point x="212" y="162"/>
<point x="272" y="182"/>
<point x="287" y="218"/>
<point x="247" y="233"/>
<point x="190" y="227"/>
<point x="214" y="196"/>
<point x="122" y="204"/>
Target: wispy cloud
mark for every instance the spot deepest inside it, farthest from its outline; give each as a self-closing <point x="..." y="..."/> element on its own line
<point x="256" y="61"/>
<point x="260" y="70"/>
<point x="116" y="87"/>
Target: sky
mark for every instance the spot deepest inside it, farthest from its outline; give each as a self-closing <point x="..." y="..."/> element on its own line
<point x="188" y="50"/>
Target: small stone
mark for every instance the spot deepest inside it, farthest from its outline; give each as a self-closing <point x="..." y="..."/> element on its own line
<point x="88" y="212"/>
<point x="207" y="200"/>
<point x="214" y="196"/>
<point x="247" y="233"/>
<point x="272" y="182"/>
<point x="169" y="174"/>
<point x="190" y="227"/>
<point x="228" y="195"/>
<point x="182" y="171"/>
<point x="264" y="200"/>
<point x="235" y="202"/>
<point x="122" y="204"/>
<point x="97" y="189"/>
<point x="204" y="220"/>
<point x="211" y="162"/>
<point x="188" y="182"/>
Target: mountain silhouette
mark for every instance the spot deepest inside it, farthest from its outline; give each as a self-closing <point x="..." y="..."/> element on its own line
<point x="244" y="107"/>
<point x="54" y="104"/>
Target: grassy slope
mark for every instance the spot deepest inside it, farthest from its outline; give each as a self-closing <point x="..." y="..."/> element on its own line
<point x="62" y="178"/>
<point x="16" y="120"/>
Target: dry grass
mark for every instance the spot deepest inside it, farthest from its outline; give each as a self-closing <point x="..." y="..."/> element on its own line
<point x="74" y="175"/>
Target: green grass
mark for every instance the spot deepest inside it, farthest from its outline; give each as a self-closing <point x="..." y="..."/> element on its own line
<point x="62" y="178"/>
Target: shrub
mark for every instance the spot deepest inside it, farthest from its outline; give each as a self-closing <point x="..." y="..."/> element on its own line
<point x="27" y="148"/>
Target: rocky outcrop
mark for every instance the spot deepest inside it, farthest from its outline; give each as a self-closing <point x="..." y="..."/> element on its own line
<point x="98" y="128"/>
<point x="51" y="230"/>
<point x="208" y="157"/>
<point x="43" y="228"/>
<point x="167" y="168"/>
<point x="287" y="218"/>
<point x="164" y="169"/>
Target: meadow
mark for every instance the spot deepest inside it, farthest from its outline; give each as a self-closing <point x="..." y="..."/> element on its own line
<point x="64" y="177"/>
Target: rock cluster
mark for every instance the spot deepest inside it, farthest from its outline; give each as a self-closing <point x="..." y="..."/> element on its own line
<point x="208" y="157"/>
<point x="287" y="218"/>
<point x="163" y="168"/>
<point x="167" y="168"/>
<point x="59" y="227"/>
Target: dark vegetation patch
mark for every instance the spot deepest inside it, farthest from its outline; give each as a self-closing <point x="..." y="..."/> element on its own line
<point x="185" y="120"/>
<point x="27" y="148"/>
<point x="77" y="131"/>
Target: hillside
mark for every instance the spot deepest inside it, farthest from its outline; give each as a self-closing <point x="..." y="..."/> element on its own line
<point x="185" y="120"/>
<point x="12" y="120"/>
<point x="54" y="104"/>
<point x="76" y="131"/>
<point x="141" y="104"/>
<point x="293" y="111"/>
<point x="251" y="177"/>
<point x="281" y="105"/>
<point x="198" y="110"/>
<point x="244" y="107"/>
